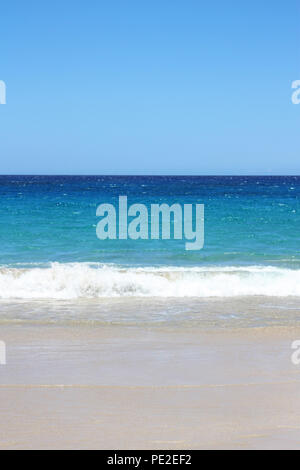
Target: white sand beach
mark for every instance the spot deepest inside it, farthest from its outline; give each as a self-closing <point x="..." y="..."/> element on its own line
<point x="104" y="387"/>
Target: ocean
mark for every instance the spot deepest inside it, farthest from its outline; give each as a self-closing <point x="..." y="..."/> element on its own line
<point x="54" y="268"/>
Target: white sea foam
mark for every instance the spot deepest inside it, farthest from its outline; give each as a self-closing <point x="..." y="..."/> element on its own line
<point x="90" y="280"/>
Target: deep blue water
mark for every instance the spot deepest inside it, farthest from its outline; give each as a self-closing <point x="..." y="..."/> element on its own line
<point x="248" y="220"/>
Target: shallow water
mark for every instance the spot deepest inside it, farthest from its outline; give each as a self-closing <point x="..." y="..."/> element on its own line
<point x="240" y="312"/>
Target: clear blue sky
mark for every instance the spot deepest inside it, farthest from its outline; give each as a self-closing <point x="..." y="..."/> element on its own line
<point x="154" y="86"/>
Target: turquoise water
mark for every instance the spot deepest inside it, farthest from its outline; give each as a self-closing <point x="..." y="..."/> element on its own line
<point x="248" y="220"/>
<point x="49" y="247"/>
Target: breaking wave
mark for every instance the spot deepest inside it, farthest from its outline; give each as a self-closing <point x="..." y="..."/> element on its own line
<point x="92" y="280"/>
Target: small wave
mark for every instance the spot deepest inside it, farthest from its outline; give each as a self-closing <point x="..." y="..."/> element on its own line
<point x="93" y="280"/>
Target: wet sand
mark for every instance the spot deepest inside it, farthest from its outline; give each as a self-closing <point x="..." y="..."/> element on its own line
<point x="118" y="387"/>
